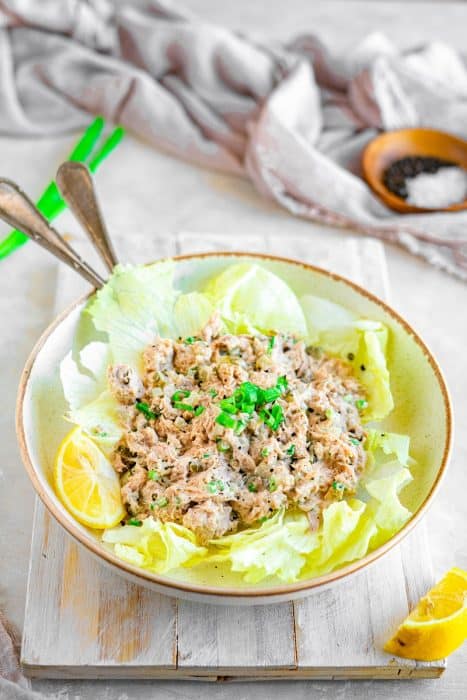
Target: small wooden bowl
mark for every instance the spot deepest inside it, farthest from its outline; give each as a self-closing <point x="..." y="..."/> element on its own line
<point x="393" y="145"/>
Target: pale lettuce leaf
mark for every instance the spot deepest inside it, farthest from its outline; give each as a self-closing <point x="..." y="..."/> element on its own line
<point x="191" y="313"/>
<point x="135" y="306"/>
<point x="156" y="546"/>
<point x="340" y="333"/>
<point x="276" y="548"/>
<point x="250" y="298"/>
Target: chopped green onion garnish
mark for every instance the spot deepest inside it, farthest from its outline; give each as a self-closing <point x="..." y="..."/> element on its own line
<point x="354" y="441"/>
<point x="222" y="446"/>
<point x="215" y="486"/>
<point x="183" y="406"/>
<point x="278" y="415"/>
<point x="348" y="398"/>
<point x="329" y="413"/>
<point x="291" y="450"/>
<point x="213" y="393"/>
<point x="180" y="394"/>
<point x="268" y="395"/>
<point x="199" y="410"/>
<point x="263" y="519"/>
<point x="228" y="406"/>
<point x="282" y="383"/>
<point x="145" y="410"/>
<point x="239" y="427"/>
<point x="190" y="340"/>
<point x="162" y="502"/>
<point x="206" y="456"/>
<point x="252" y="488"/>
<point x="135" y="522"/>
<point x="153" y="475"/>
<point x="226" y="420"/>
<point x="272" y="486"/>
<point x="264" y="452"/>
<point x="338" y="485"/>
<point x="271" y="343"/>
<point x="361" y="404"/>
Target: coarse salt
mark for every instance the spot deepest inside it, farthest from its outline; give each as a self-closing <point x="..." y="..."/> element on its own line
<point x="437" y="190"/>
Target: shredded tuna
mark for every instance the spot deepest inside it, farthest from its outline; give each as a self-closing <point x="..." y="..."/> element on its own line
<point x="178" y="464"/>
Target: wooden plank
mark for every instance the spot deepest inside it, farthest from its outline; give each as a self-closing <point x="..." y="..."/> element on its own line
<point x="79" y="613"/>
<point x="82" y="621"/>
<point x="230" y="639"/>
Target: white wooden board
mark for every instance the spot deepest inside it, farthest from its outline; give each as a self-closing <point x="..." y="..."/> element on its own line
<point x="82" y="621"/>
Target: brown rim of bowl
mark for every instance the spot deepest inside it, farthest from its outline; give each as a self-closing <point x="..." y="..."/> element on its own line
<point x="232" y="592"/>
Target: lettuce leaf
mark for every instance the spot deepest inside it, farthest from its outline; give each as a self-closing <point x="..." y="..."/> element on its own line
<point x="135" y="306"/>
<point x="159" y="547"/>
<point x="250" y="298"/>
<point x="276" y="548"/>
<point x="91" y="405"/>
<point x="191" y="313"/>
<point x="338" y="332"/>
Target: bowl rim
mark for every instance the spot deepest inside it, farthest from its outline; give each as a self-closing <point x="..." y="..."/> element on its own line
<point x="390" y="199"/>
<point x="248" y="592"/>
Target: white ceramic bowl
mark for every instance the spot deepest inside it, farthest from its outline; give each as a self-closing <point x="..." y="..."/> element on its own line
<point x="422" y="410"/>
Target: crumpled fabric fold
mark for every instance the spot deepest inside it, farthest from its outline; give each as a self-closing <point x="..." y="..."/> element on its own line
<point x="293" y="117"/>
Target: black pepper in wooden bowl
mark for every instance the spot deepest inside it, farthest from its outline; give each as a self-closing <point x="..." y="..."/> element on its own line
<point x="395" y="176"/>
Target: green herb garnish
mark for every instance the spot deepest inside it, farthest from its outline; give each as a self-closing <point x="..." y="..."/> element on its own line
<point x="179" y="395"/>
<point x="252" y="488"/>
<point x="291" y="450"/>
<point x="272" y="485"/>
<point x="239" y="427"/>
<point x="264" y="452"/>
<point x="226" y="420"/>
<point x="361" y="404"/>
<point x="271" y="343"/>
<point x="135" y="522"/>
<point x="329" y="413"/>
<point x="222" y="446"/>
<point x="190" y="340"/>
<point x="338" y="486"/>
<point x="162" y="502"/>
<point x="354" y="441"/>
<point x="199" y="410"/>
<point x="183" y="406"/>
<point x="145" y="410"/>
<point x="153" y="475"/>
<point x="213" y="393"/>
<point x="228" y="405"/>
<point x="215" y="486"/>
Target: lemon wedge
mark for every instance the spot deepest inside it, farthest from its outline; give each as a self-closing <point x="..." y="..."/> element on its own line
<point x="86" y="483"/>
<point x="438" y="625"/>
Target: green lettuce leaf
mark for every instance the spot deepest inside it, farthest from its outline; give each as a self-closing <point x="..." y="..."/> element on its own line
<point x="250" y="298"/>
<point x="276" y="548"/>
<point x="338" y="332"/>
<point x="159" y="547"/>
<point x="191" y="313"/>
<point x="135" y="306"/>
<point x="91" y="405"/>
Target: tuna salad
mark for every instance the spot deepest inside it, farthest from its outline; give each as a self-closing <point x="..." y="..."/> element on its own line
<point x="222" y="431"/>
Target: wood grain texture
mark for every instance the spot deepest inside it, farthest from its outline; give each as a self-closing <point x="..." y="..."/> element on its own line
<point x="83" y="621"/>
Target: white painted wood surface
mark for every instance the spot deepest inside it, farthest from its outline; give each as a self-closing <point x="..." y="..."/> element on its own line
<point x="83" y="621"/>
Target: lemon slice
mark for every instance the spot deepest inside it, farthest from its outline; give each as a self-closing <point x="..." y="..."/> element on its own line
<point x="438" y="625"/>
<point x="86" y="483"/>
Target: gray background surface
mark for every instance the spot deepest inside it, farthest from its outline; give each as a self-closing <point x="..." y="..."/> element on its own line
<point x="165" y="195"/>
